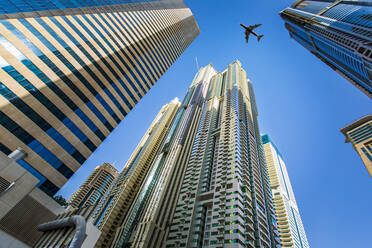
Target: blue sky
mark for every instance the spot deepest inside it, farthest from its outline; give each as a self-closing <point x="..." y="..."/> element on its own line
<point x="302" y="105"/>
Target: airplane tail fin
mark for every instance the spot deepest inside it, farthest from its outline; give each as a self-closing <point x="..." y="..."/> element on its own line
<point x="259" y="37"/>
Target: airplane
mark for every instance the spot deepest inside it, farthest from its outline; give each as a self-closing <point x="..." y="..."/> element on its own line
<point x="249" y="30"/>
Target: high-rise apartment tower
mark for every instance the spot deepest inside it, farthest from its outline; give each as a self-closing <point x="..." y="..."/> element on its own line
<point x="117" y="202"/>
<point x="337" y="32"/>
<point x="359" y="134"/>
<point x="94" y="187"/>
<point x="70" y="71"/>
<point x="208" y="185"/>
<point x="291" y="230"/>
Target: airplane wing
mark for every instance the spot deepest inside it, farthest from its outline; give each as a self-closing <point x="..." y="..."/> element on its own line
<point x="247" y="33"/>
<point x="254" y="26"/>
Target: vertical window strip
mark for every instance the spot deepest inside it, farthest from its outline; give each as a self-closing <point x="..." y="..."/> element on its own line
<point x="108" y="26"/>
<point x="79" y="59"/>
<point x="146" y="47"/>
<point x="83" y="79"/>
<point x="139" y="48"/>
<point x="35" y="145"/>
<point x="57" y="90"/>
<point x="49" y="105"/>
<point x="85" y="66"/>
<point x="166" y="18"/>
<point x="40" y="122"/>
<point x="160" y="52"/>
<point x="112" y="48"/>
<point x="123" y="26"/>
<point x="164" y="33"/>
<point x="173" y="23"/>
<point x="74" y="71"/>
<point x="143" y="24"/>
<point x="90" y="45"/>
<point x="43" y="100"/>
<point x="114" y="45"/>
<point x="159" y="32"/>
<point x="116" y="30"/>
<point x="130" y="67"/>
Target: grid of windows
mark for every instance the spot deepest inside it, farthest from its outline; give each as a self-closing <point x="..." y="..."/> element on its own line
<point x="338" y="33"/>
<point x="88" y="68"/>
<point x="15" y="6"/>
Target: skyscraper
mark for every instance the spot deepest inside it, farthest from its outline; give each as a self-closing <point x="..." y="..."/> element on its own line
<point x="208" y="184"/>
<point x="359" y="134"/>
<point x="94" y="187"/>
<point x="337" y="32"/>
<point x="70" y="71"/>
<point x="115" y="206"/>
<point x="291" y="229"/>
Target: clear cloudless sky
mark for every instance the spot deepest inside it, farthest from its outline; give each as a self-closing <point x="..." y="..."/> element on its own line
<point x="302" y="105"/>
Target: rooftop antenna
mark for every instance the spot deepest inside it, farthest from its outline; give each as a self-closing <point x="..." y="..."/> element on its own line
<point x="197" y="64"/>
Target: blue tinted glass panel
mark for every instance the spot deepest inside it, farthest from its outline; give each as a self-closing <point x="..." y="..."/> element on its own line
<point x="15" y="6"/>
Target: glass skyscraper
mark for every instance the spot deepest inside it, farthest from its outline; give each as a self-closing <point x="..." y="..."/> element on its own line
<point x="291" y="230"/>
<point x="70" y="71"/>
<point x="208" y="184"/>
<point x="337" y="32"/>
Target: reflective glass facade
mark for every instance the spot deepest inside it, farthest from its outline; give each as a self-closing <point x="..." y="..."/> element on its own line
<point x="339" y="33"/>
<point x="16" y="6"/>
<point x="70" y="71"/>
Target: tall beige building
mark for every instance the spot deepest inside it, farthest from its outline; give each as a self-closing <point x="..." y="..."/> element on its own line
<point x="95" y="186"/>
<point x="115" y="206"/>
<point x="291" y="230"/>
<point x="208" y="184"/>
<point x="359" y="134"/>
<point x="72" y="70"/>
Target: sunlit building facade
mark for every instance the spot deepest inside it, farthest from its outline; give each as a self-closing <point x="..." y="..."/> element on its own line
<point x="359" y="134"/>
<point x="291" y="229"/>
<point x="114" y="208"/>
<point x="70" y="71"/>
<point x="94" y="187"/>
<point x="337" y="32"/>
<point x="208" y="185"/>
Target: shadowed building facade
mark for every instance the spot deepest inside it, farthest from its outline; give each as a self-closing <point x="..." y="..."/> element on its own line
<point x="70" y="71"/>
<point x="208" y="185"/>
<point x="291" y="230"/>
<point x="94" y="187"/>
<point x="359" y="134"/>
<point x="337" y="32"/>
<point x="118" y="200"/>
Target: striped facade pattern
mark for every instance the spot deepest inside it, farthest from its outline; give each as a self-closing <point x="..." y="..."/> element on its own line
<point x="147" y="222"/>
<point x="94" y="187"/>
<point x="337" y="32"/>
<point x="359" y="134"/>
<point x="118" y="200"/>
<point x="204" y="169"/>
<point x="69" y="76"/>
<point x="291" y="230"/>
<point x="225" y="199"/>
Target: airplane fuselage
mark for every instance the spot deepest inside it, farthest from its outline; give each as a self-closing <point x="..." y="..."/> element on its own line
<point x="249" y="30"/>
